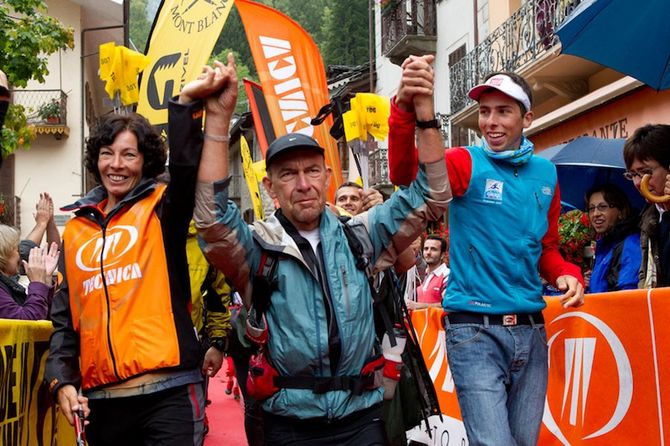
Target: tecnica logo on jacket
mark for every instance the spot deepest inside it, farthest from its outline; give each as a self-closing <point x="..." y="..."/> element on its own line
<point x="109" y="251"/>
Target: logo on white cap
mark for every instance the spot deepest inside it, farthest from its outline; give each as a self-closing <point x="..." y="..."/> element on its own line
<point x="504" y="84"/>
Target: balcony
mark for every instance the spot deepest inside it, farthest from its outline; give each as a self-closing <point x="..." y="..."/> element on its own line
<point x="524" y="38"/>
<point x="408" y="27"/>
<point x="46" y="110"/>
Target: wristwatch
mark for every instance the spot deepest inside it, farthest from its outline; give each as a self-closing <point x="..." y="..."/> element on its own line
<point x="221" y="344"/>
<point x="431" y="124"/>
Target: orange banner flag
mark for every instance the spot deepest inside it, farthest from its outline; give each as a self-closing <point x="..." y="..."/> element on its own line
<point x="293" y="77"/>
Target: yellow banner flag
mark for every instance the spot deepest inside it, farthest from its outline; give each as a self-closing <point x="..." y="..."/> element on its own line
<point x="181" y="42"/>
<point x="250" y="177"/>
<point x="119" y="68"/>
<point x="115" y="73"/>
<point x="352" y="126"/>
<point x="133" y="64"/>
<point x="376" y="110"/>
<point x="106" y="51"/>
<point x="259" y="170"/>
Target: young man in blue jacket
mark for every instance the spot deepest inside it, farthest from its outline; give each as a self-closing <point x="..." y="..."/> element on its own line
<point x="503" y="224"/>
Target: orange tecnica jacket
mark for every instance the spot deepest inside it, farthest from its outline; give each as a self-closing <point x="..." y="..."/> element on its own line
<point x="111" y="275"/>
<point x="122" y="309"/>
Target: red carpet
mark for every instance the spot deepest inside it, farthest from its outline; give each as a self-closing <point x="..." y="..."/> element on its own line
<point x="225" y="414"/>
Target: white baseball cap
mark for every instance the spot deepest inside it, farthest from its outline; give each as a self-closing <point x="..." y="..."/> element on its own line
<point x="504" y="84"/>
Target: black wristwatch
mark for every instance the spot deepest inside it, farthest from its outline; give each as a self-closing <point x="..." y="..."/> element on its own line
<point x="431" y="124"/>
<point x="221" y="344"/>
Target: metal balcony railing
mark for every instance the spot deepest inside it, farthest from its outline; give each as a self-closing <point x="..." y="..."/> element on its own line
<point x="526" y="35"/>
<point x="402" y="18"/>
<point x="379" y="167"/>
<point x="48" y="107"/>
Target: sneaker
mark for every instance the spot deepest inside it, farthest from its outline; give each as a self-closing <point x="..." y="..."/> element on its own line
<point x="228" y="391"/>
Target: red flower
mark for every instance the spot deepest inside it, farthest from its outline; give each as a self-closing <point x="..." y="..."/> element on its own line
<point x="574" y="235"/>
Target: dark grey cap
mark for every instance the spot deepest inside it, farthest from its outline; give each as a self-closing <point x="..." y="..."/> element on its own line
<point x="289" y="142"/>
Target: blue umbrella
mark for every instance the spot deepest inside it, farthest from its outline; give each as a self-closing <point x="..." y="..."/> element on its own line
<point x="586" y="162"/>
<point x="632" y="37"/>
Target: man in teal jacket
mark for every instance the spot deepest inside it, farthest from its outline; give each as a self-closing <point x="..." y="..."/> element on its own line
<point x="503" y="225"/>
<point x="320" y="317"/>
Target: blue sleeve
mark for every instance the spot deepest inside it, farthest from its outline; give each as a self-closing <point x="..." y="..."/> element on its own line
<point x="631" y="257"/>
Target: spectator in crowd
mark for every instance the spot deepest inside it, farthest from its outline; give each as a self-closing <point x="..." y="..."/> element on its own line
<point x="618" y="255"/>
<point x="647" y="152"/>
<point x="499" y="241"/>
<point x="349" y="197"/>
<point x="44" y="224"/>
<point x="139" y="366"/>
<point x="354" y="199"/>
<point x="320" y="320"/>
<point x="431" y="291"/>
<point x="15" y="302"/>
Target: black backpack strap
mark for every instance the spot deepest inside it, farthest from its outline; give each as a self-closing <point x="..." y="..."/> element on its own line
<point x="361" y="247"/>
<point x="263" y="284"/>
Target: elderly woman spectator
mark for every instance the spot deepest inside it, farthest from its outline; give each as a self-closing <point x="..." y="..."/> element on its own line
<point x="15" y="301"/>
<point x="618" y="256"/>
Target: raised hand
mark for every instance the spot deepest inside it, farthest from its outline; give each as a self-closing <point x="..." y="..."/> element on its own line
<point x="51" y="259"/>
<point x="371" y="197"/>
<point x="417" y="79"/>
<point x="214" y="85"/>
<point x="35" y="266"/>
<point x="224" y="102"/>
<point x="43" y="211"/>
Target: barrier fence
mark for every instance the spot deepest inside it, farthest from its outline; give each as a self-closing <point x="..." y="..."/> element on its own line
<point x="27" y="414"/>
<point x="609" y="371"/>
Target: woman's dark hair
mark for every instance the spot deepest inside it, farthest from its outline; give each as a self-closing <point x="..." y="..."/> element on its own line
<point x="149" y="142"/>
<point x="613" y="196"/>
<point x="649" y="142"/>
<point x="521" y="82"/>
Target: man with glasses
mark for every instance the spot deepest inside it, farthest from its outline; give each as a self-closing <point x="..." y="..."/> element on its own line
<point x="648" y="152"/>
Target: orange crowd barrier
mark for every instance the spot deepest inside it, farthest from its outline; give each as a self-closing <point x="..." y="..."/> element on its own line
<point x="609" y="371"/>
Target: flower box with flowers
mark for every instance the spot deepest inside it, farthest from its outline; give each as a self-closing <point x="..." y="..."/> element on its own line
<point x="576" y="238"/>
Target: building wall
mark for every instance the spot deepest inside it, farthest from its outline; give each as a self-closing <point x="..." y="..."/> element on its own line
<point x="51" y="165"/>
<point x="455" y="27"/>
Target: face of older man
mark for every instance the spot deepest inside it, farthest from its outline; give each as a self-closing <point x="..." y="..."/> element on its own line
<point x="298" y="181"/>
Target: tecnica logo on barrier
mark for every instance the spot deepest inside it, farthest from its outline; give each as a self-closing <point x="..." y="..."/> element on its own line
<point x="586" y="345"/>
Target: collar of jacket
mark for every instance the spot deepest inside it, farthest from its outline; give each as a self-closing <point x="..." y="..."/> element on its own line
<point x="621" y="230"/>
<point x="649" y="219"/>
<point x="99" y="193"/>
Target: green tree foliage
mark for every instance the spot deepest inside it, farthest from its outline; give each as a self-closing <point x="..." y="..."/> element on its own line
<point x="28" y="37"/>
<point x="338" y="27"/>
<point x="243" y="72"/>
<point x="139" y="26"/>
<point x="233" y="36"/>
<point x="345" y="33"/>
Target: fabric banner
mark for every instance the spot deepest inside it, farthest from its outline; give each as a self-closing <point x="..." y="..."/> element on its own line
<point x="250" y="178"/>
<point x="180" y="43"/>
<point x="293" y="77"/>
<point x="27" y="414"/>
<point x="259" y="111"/>
<point x="609" y="371"/>
<point x="119" y="68"/>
